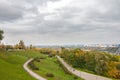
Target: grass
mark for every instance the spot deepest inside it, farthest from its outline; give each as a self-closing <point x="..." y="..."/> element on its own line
<point x="11" y="63"/>
<point x="51" y="66"/>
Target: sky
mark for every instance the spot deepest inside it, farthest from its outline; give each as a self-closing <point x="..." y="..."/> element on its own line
<point x="42" y="22"/>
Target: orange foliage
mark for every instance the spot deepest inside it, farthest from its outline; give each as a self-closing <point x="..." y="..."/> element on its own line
<point x="114" y="73"/>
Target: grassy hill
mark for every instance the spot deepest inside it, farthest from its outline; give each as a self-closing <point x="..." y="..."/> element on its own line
<point x="50" y="65"/>
<point x="11" y="64"/>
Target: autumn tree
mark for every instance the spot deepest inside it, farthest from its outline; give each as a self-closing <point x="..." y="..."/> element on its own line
<point x="114" y="70"/>
<point x="100" y="63"/>
<point x="2" y="46"/>
<point x="16" y="46"/>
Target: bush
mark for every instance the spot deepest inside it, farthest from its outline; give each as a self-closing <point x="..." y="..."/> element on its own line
<point x="75" y="77"/>
<point x="50" y="55"/>
<point x="32" y="65"/>
<point x="118" y="66"/>
<point x="49" y="75"/>
<point x="42" y="57"/>
<point x="114" y="73"/>
<point x="37" y="59"/>
<point x="56" y="62"/>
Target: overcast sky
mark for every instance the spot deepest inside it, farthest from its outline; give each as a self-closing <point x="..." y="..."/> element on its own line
<point x="60" y="21"/>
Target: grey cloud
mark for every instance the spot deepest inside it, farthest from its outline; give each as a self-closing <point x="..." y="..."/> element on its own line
<point x="15" y="9"/>
<point x="91" y="22"/>
<point x="9" y="13"/>
<point x="30" y="2"/>
<point x="93" y="13"/>
<point x="111" y="15"/>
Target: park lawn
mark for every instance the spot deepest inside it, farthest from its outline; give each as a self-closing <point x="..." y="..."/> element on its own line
<point x="51" y="65"/>
<point x="11" y="63"/>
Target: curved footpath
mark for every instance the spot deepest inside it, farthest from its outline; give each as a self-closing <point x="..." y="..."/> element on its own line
<point x="84" y="75"/>
<point x="36" y="76"/>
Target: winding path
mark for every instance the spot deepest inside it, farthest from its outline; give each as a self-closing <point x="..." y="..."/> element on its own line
<point x="36" y="76"/>
<point x="84" y="75"/>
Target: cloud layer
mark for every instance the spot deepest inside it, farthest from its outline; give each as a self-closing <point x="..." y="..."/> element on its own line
<point x="60" y="21"/>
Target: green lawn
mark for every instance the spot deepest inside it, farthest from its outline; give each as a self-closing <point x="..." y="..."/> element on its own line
<point x="50" y="65"/>
<point x="11" y="64"/>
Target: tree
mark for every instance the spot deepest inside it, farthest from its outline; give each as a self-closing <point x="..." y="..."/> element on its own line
<point x="21" y="45"/>
<point x="1" y="35"/>
<point x="90" y="61"/>
<point x="31" y="46"/>
<point x="2" y="46"/>
<point x="8" y="47"/>
<point x="114" y="73"/>
<point x="16" y="46"/>
<point x="101" y="63"/>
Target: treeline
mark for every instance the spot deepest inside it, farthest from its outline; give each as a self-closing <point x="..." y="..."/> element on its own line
<point x="19" y="46"/>
<point x="100" y="63"/>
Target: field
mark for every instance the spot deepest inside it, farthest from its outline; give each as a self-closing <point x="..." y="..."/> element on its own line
<point x="11" y="65"/>
<point x="51" y="65"/>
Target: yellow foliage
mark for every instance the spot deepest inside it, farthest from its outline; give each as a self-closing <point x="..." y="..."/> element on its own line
<point x="77" y="54"/>
<point x="36" y="49"/>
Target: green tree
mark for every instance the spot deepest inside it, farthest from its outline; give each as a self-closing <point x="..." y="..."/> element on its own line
<point x="31" y="46"/>
<point x="21" y="45"/>
<point x="101" y="63"/>
<point x="1" y="35"/>
<point x="8" y="47"/>
<point x="90" y="61"/>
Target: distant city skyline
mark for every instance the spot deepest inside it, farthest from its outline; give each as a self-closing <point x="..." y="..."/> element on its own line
<point x="57" y="22"/>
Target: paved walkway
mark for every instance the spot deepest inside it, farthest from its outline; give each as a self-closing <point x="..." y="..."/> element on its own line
<point x="36" y="76"/>
<point x="84" y="75"/>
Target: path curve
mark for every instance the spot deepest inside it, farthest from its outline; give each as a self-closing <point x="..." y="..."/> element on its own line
<point x="84" y="75"/>
<point x="36" y="76"/>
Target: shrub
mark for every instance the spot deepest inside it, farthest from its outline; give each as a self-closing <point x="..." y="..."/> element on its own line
<point x="49" y="75"/>
<point x="42" y="57"/>
<point x="56" y="62"/>
<point x="50" y="55"/>
<point x="75" y="77"/>
<point x="114" y="73"/>
<point x="37" y="59"/>
<point x="118" y="66"/>
<point x="32" y="65"/>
